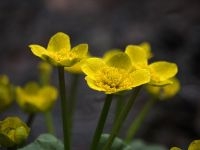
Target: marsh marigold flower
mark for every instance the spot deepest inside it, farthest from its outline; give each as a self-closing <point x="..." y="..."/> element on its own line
<point x="161" y="71"/>
<point x="165" y="91"/>
<point x="33" y="98"/>
<point x="59" y="52"/>
<point x="13" y="131"/>
<point x="6" y="92"/>
<point x="113" y="74"/>
<point x="194" y="145"/>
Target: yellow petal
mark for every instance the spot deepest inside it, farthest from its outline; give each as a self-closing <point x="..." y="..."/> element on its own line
<point x="140" y="77"/>
<point x="120" y="60"/>
<point x="137" y="55"/>
<point x="92" y="85"/>
<point x="147" y="47"/>
<point x="160" y="83"/>
<point x="92" y="65"/>
<point x="162" y="70"/>
<point x="110" y="54"/>
<point x="80" y="50"/>
<point x="58" y="42"/>
<point x="38" y="50"/>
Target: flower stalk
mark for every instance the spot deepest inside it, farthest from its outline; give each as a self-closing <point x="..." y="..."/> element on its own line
<point x="64" y="108"/>
<point x="122" y="116"/>
<point x="136" y="124"/>
<point x="101" y="122"/>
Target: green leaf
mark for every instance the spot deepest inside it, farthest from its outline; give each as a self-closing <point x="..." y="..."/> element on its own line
<point x="118" y="143"/>
<point x="140" y="145"/>
<point x="45" y="142"/>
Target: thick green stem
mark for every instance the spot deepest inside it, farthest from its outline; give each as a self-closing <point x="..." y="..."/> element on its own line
<point x="135" y="125"/>
<point x="119" y="105"/>
<point x="72" y="97"/>
<point x="49" y="122"/>
<point x="101" y="122"/>
<point x="64" y="108"/>
<point x="122" y="116"/>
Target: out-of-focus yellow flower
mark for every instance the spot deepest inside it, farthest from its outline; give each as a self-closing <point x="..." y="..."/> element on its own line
<point x="13" y="131"/>
<point x="59" y="52"/>
<point x="113" y="74"/>
<point x="33" y="98"/>
<point x="175" y="148"/>
<point x="161" y="71"/>
<point x="166" y="91"/>
<point x="6" y="93"/>
<point x="195" y="145"/>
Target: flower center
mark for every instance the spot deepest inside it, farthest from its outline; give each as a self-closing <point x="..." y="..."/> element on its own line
<point x="112" y="79"/>
<point x="63" y="55"/>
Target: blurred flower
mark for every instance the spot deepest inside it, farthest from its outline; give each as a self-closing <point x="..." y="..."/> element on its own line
<point x="113" y="74"/>
<point x="13" y="131"/>
<point x="59" y="52"/>
<point x="175" y="148"/>
<point x="161" y="71"/>
<point x="6" y="93"/>
<point x="166" y="91"/>
<point x="194" y="145"/>
<point x="33" y="98"/>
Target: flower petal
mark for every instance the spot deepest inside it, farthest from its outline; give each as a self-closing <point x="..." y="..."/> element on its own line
<point x="110" y="54"/>
<point x="162" y="70"/>
<point x="38" y="50"/>
<point x="92" y="85"/>
<point x="58" y="42"/>
<point x="120" y="60"/>
<point x="140" y="77"/>
<point x="147" y="47"/>
<point x="137" y="55"/>
<point x="81" y="50"/>
<point x="92" y="65"/>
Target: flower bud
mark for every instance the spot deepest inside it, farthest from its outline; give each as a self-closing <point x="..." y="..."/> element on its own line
<point x="6" y="92"/>
<point x="13" y="131"/>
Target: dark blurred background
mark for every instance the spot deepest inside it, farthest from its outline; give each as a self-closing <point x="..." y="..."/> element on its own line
<point x="172" y="28"/>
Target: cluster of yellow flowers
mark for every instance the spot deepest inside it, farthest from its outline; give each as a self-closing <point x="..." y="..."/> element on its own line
<point x="194" y="145"/>
<point x="115" y="71"/>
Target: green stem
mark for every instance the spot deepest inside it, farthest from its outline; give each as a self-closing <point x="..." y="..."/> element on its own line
<point x="72" y="97"/>
<point x="121" y="118"/>
<point x="64" y="108"/>
<point x="49" y="122"/>
<point x="101" y="122"/>
<point x="119" y="106"/>
<point x="138" y="120"/>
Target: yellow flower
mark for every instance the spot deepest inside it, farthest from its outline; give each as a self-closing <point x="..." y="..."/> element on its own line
<point x="195" y="145"/>
<point x="161" y="71"/>
<point x="6" y="93"/>
<point x="59" y="52"/>
<point x="114" y="74"/>
<point x="13" y="131"/>
<point x="175" y="148"/>
<point x="33" y="98"/>
<point x="166" y="91"/>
